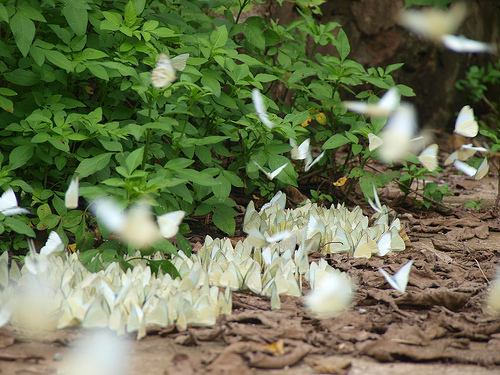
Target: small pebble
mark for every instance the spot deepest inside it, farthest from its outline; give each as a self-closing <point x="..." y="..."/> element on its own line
<point x="58" y="357"/>
<point x="362" y="311"/>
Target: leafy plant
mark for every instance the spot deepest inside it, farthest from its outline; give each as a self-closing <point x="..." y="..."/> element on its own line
<point x="476" y="205"/>
<point x="78" y="102"/>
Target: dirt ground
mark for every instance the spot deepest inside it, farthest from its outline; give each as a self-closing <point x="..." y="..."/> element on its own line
<point x="441" y="325"/>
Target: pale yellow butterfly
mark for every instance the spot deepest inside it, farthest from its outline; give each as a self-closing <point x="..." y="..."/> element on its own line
<point x="164" y="72"/>
<point x="428" y="157"/>
<point x="465" y="124"/>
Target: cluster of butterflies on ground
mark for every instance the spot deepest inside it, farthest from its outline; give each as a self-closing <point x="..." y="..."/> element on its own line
<point x="138" y="227"/>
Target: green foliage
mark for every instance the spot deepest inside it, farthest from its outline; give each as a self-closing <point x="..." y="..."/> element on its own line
<point x="436" y="3"/>
<point x="77" y="101"/>
<point x="476" y="205"/>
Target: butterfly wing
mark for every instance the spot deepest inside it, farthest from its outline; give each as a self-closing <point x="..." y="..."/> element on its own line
<point x="169" y="223"/>
<point x="428" y="157"/>
<point x="71" y="196"/>
<point x="300" y="152"/>
<point x="8" y="204"/>
<point x="482" y="170"/>
<point x="309" y="165"/>
<point x="374" y="142"/>
<point x="179" y="62"/>
<point x="163" y="73"/>
<point x="390" y="100"/>
<point x="462" y="44"/>
<point x="54" y="245"/>
<point x="465" y="168"/>
<point x="111" y="215"/>
<point x="258" y="103"/>
<point x="401" y="277"/>
<point x="465" y="124"/>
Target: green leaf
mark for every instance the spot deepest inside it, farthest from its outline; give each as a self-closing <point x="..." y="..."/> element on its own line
<point x="183" y="244"/>
<point x="222" y="189"/>
<point x="219" y="36"/>
<point x="335" y="141"/>
<point x="130" y="14"/>
<point x="255" y="36"/>
<point x="134" y="159"/>
<point x="92" y="165"/>
<point x="18" y="226"/>
<point x="4" y="15"/>
<point x="75" y="12"/>
<point x="23" y="30"/>
<point x="22" y="77"/>
<point x="342" y="44"/>
<point x="58" y="59"/>
<point x="223" y="218"/>
<point x="20" y="156"/>
<point x="6" y="104"/>
<point x="59" y="144"/>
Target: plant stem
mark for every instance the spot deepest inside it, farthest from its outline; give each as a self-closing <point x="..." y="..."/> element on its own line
<point x="149" y="134"/>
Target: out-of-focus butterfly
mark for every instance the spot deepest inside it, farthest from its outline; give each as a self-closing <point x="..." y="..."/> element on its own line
<point x="400" y="279"/>
<point x="464" y="153"/>
<point x="8" y="204"/>
<point x="383" y="108"/>
<point x="428" y="157"/>
<point x="432" y="23"/>
<point x="476" y="174"/>
<point x="310" y="161"/>
<point x="331" y="294"/>
<point x="164" y="72"/>
<point x="461" y="44"/>
<point x="71" y="196"/>
<point x="465" y="124"/>
<point x="398" y="133"/>
<point x="137" y="225"/>
<point x="258" y="103"/>
<point x="273" y="174"/>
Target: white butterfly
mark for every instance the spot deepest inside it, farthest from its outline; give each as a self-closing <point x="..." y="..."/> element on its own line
<point x="377" y="206"/>
<point x="164" y="72"/>
<point x="428" y="157"/>
<point x="300" y="152"/>
<point x="476" y="174"/>
<point x="462" y="44"/>
<point x="258" y="103"/>
<point x="53" y="246"/>
<point x="432" y="23"/>
<point x="137" y="225"/>
<point x="101" y="353"/>
<point x="169" y="223"/>
<point x="400" y="278"/>
<point x="8" y="204"/>
<point x="398" y="133"/>
<point x="257" y="239"/>
<point x="71" y="196"/>
<point x="273" y="174"/>
<point x="384" y="244"/>
<point x="463" y="153"/>
<point x="310" y="162"/>
<point x="374" y="142"/>
<point x="332" y="293"/>
<point x="465" y="124"/>
<point x="385" y="106"/>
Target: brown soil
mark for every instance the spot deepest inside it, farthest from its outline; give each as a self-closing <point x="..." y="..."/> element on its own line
<point x="441" y="325"/>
